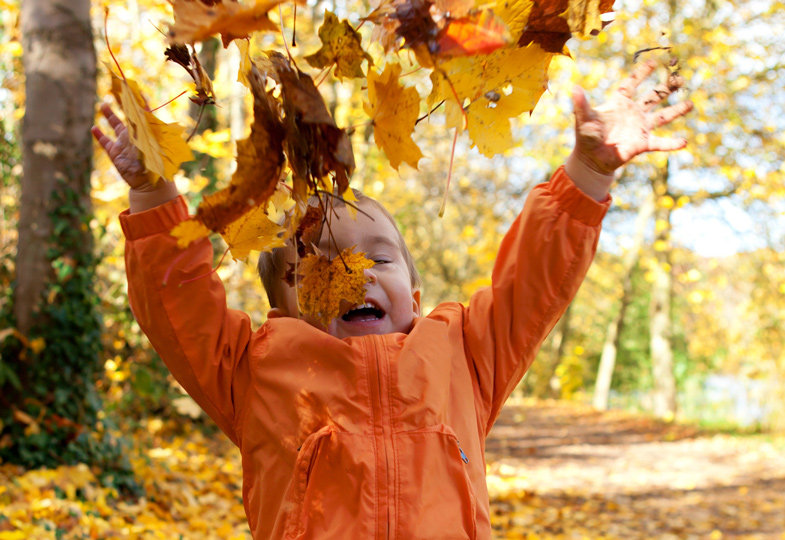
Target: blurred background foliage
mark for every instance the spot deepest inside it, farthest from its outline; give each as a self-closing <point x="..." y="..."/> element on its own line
<point x="714" y="243"/>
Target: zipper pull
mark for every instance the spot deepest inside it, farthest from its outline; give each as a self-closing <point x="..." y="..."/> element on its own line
<point x="463" y="455"/>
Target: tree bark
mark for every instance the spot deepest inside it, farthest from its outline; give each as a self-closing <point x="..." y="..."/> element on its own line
<point x="608" y="359"/>
<point x="662" y="290"/>
<point x="59" y="64"/>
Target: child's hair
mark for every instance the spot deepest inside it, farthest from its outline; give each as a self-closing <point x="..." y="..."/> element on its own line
<point x="271" y="263"/>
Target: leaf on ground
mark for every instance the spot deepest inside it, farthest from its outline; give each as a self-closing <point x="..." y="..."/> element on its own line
<point x="253" y="231"/>
<point x="198" y="20"/>
<point x="324" y="286"/>
<point x="481" y="32"/>
<point x="499" y="86"/>
<point x="552" y="23"/>
<point x="393" y="109"/>
<point x="342" y="46"/>
<point x="162" y="145"/>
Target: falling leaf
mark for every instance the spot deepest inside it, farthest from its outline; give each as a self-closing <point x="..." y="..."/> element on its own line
<point x="499" y="86"/>
<point x="552" y="23"/>
<point x="259" y="165"/>
<point x="314" y="145"/>
<point x="162" y="145"/>
<point x="180" y="54"/>
<point x="515" y="14"/>
<point x="481" y="32"/>
<point x="393" y="109"/>
<point x="198" y="20"/>
<point x="189" y="231"/>
<point x="324" y="285"/>
<point x="253" y="231"/>
<point x="341" y="45"/>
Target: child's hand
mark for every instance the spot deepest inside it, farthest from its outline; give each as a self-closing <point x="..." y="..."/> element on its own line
<point x="145" y="191"/>
<point x="124" y="155"/>
<point x="611" y="135"/>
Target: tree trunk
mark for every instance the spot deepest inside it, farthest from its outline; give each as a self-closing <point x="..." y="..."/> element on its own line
<point x="59" y="64"/>
<point x="661" y="292"/>
<point x="608" y="359"/>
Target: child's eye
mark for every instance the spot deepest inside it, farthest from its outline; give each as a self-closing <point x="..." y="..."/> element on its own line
<point x="381" y="261"/>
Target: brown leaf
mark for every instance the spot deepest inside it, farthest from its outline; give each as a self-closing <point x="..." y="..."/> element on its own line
<point x="314" y="145"/>
<point x="197" y="20"/>
<point x="549" y="26"/>
<point x="260" y="162"/>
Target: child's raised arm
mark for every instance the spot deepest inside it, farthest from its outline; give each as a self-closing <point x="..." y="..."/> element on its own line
<point x="612" y="134"/>
<point x="145" y="193"/>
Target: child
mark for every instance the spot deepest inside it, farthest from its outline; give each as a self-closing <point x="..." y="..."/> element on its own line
<point x="375" y="426"/>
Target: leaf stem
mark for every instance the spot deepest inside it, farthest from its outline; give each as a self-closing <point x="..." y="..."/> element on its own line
<point x="106" y="38"/>
<point x="449" y="174"/>
<point x="168" y="102"/>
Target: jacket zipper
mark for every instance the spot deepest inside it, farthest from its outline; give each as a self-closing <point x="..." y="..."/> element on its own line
<point x="386" y="437"/>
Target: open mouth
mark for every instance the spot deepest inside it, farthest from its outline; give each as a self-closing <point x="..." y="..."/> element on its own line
<point x="363" y="313"/>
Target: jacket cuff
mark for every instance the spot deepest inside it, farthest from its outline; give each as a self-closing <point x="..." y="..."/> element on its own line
<point x="155" y="220"/>
<point x="575" y="202"/>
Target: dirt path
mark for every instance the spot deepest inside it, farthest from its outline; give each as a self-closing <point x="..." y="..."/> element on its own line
<point x="563" y="471"/>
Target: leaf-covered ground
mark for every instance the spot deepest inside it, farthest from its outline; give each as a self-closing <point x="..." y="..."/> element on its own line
<point x="555" y="470"/>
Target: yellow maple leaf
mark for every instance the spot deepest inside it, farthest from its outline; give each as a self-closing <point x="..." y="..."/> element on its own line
<point x="162" y="145"/>
<point x="325" y="284"/>
<point x="583" y="17"/>
<point x="188" y="231"/>
<point x="341" y="45"/>
<point x="515" y="14"/>
<point x="253" y="231"/>
<point x="394" y="110"/>
<point x="499" y="86"/>
<point x="195" y="20"/>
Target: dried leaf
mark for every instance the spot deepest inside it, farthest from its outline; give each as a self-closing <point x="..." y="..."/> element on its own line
<point x="253" y="231"/>
<point x="259" y="164"/>
<point x="500" y="86"/>
<point x="198" y="20"/>
<point x="481" y="32"/>
<point x="341" y="45"/>
<point x="189" y="231"/>
<point x="552" y="23"/>
<point x="393" y="109"/>
<point x="180" y="54"/>
<point x="325" y="285"/>
<point x="314" y="145"/>
<point x="162" y="145"/>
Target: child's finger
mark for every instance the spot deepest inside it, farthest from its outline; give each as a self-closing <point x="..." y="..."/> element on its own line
<point x="117" y="125"/>
<point x="666" y="144"/>
<point x="102" y="139"/>
<point x="668" y="114"/>
<point x="581" y="108"/>
<point x="628" y="86"/>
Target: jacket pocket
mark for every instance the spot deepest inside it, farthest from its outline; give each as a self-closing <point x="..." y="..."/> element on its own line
<point x="331" y="495"/>
<point x="435" y="495"/>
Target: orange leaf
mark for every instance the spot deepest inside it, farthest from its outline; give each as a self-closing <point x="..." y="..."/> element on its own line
<point x="325" y="285"/>
<point x="197" y="20"/>
<point x="478" y="33"/>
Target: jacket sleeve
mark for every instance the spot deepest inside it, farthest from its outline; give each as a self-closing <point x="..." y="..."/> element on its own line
<point x="180" y="305"/>
<point x="542" y="261"/>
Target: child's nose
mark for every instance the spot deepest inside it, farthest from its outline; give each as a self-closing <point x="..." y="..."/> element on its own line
<point x="371" y="275"/>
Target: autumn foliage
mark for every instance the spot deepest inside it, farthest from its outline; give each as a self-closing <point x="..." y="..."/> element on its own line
<point x="487" y="63"/>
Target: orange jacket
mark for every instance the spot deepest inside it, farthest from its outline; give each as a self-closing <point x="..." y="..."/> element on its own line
<point x="376" y="437"/>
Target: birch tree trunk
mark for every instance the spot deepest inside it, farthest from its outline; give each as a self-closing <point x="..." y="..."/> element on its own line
<point x="608" y="359"/>
<point x="661" y="293"/>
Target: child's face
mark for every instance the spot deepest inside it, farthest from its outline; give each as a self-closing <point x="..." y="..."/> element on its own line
<point x="390" y="303"/>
